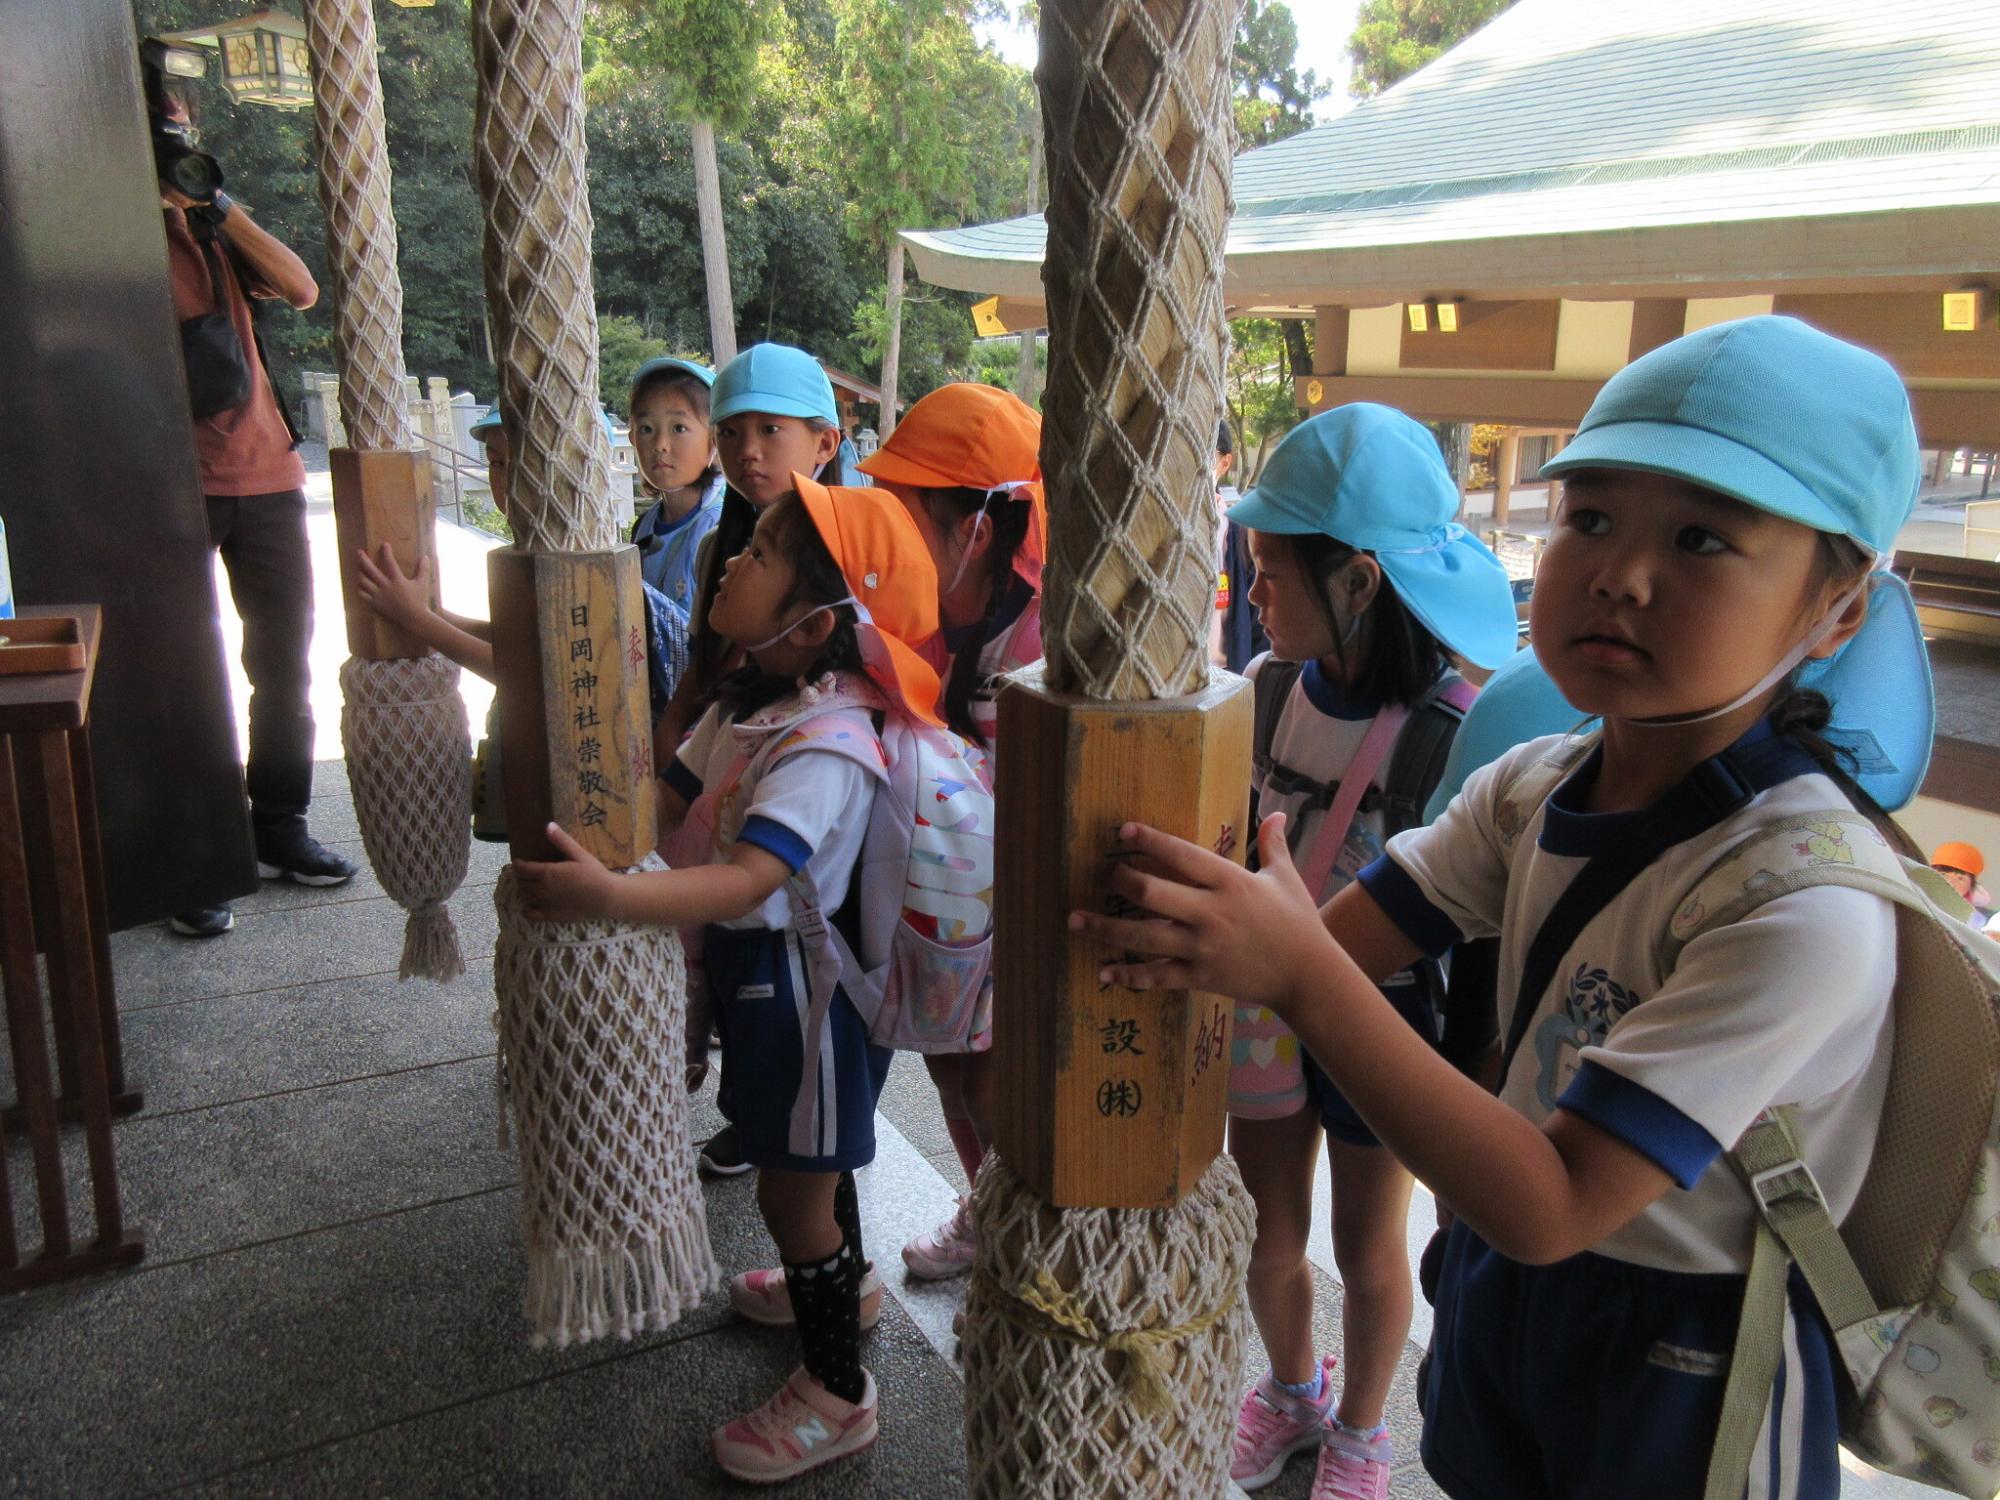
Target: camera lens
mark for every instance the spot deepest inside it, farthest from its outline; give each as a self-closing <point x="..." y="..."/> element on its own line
<point x="195" y="174"/>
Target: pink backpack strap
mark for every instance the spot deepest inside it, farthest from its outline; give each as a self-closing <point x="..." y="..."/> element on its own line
<point x="1354" y="784"/>
<point x="1458" y="693"/>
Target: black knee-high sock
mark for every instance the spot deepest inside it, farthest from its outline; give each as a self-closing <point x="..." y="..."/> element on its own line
<point x="847" y="1214"/>
<point x="826" y="1298"/>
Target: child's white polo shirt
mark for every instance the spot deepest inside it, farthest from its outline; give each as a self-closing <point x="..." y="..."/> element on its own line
<point x="1788" y="1006"/>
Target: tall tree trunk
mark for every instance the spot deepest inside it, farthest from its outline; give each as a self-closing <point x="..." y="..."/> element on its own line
<point x="892" y="348"/>
<point x="1024" y="372"/>
<point x="714" y="246"/>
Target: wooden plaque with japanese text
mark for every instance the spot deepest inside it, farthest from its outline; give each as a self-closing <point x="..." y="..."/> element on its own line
<point x="576" y="730"/>
<point x="1107" y="1098"/>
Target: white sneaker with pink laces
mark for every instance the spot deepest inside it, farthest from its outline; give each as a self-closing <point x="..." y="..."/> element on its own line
<point x="1273" y="1424"/>
<point x="801" y="1428"/>
<point x="1352" y="1465"/>
<point x="945" y="1251"/>
<point x="762" y="1297"/>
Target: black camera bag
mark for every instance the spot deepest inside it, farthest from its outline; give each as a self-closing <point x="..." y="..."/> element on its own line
<point x="218" y="369"/>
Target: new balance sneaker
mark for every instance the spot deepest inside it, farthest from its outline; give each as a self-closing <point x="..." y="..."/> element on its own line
<point x="285" y="851"/>
<point x="1273" y="1424"/>
<point x="798" y="1430"/>
<point x="946" y="1251"/>
<point x="202" y="921"/>
<point x="1353" y="1465"/>
<point x="722" y="1154"/>
<point x="763" y="1297"/>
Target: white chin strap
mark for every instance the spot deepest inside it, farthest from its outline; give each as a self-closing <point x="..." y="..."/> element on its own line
<point x="1787" y="664"/>
<point x="850" y="599"/>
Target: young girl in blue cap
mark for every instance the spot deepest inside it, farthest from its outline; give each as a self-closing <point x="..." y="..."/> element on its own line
<point x="1724" y="500"/>
<point x="675" y="448"/>
<point x="1363" y="584"/>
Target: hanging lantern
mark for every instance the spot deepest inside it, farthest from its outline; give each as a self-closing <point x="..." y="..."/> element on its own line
<point x="264" y="57"/>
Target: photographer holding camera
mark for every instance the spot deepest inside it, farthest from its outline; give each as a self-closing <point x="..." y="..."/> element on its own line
<point x="252" y="478"/>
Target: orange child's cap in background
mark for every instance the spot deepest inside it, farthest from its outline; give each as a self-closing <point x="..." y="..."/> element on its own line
<point x="1957" y="856"/>
<point x="876" y="545"/>
<point x="977" y="437"/>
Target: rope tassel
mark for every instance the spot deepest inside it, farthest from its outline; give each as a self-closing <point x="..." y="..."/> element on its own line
<point x="409" y="761"/>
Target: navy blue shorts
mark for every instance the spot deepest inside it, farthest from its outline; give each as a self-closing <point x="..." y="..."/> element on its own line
<point x="1596" y="1377"/>
<point x="817" y="1118"/>
<point x="1413" y="1004"/>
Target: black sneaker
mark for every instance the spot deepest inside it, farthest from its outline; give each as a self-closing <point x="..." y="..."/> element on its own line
<point x="286" y="851"/>
<point x="722" y="1154"/>
<point x="202" y="922"/>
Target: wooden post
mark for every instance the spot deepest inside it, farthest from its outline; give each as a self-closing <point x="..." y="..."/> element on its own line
<point x="1506" y="472"/>
<point x="382" y="497"/>
<point x="1107" y="1098"/>
<point x="576" y="729"/>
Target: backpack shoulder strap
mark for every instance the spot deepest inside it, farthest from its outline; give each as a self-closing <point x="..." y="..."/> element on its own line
<point x="1417" y="762"/>
<point x="1270" y="688"/>
<point x="1836" y="846"/>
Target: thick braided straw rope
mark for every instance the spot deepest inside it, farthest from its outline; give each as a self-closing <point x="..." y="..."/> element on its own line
<point x="403" y="724"/>
<point x="409" y="761"/>
<point x="350" y="146"/>
<point x="590" y="1033"/>
<point x="1139" y="133"/>
<point x="1104" y="1347"/>
<point x="528" y="135"/>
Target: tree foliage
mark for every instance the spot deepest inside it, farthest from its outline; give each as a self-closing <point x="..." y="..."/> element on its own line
<point x="1394" y="38"/>
<point x="1273" y="99"/>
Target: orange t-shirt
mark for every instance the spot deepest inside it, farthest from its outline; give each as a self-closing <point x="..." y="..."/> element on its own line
<point x="246" y="450"/>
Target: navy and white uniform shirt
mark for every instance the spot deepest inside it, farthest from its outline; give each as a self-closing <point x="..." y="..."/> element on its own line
<point x="809" y="808"/>
<point x="1789" y="1005"/>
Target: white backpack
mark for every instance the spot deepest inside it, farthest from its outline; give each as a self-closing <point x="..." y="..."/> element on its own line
<point x="1910" y="1280"/>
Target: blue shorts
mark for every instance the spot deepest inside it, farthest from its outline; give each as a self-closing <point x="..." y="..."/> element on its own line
<point x="817" y="1118"/>
<point x="1412" y="1001"/>
<point x="1596" y="1377"/>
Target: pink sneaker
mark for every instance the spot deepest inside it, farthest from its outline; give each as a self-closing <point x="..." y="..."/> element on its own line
<point x="1273" y="1424"/>
<point x="945" y="1251"/>
<point x="802" y="1427"/>
<point x="762" y="1297"/>
<point x="1352" y="1466"/>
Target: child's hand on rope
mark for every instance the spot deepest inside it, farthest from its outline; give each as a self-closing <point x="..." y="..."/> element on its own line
<point x="1213" y="925"/>
<point x="400" y="598"/>
<point x="575" y="888"/>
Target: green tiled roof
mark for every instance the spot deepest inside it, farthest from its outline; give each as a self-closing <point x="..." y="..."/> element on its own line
<point x="1595" y="116"/>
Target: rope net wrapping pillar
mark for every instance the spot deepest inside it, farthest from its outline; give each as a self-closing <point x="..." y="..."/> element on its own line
<point x="350" y="147"/>
<point x="590" y="1014"/>
<point x="590" y="1036"/>
<point x="1104" y="1346"/>
<point x="1139" y="135"/>
<point x="403" y="726"/>
<point x="528" y="138"/>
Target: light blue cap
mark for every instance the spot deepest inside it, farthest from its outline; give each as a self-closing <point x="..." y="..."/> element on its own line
<point x="774" y="378"/>
<point x="1373" y="478"/>
<point x="1769" y="411"/>
<point x="667" y="364"/>
<point x="1774" y="413"/>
